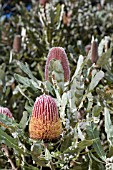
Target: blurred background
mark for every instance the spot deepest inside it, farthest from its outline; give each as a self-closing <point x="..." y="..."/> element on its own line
<point x="29" y="28"/>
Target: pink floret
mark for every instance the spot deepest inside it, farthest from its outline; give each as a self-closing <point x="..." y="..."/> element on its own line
<point x="5" y="111"/>
<point x="45" y="108"/>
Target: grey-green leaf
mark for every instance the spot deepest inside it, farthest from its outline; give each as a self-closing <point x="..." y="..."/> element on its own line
<point x="108" y="126"/>
<point x="95" y="80"/>
<point x="96" y="110"/>
<point x="24" y="120"/>
<point x="102" y="61"/>
<point x="94" y="134"/>
<point x="9" y="141"/>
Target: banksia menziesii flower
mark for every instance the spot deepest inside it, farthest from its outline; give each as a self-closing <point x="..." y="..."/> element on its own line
<point x="17" y="43"/>
<point x="58" y="53"/>
<point x="94" y="52"/>
<point x="45" y="122"/>
<point x="5" y="111"/>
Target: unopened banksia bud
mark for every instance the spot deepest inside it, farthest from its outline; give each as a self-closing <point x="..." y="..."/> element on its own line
<point x="58" y="53"/>
<point x="94" y="52"/>
<point x="45" y="122"/>
<point x="5" y="111"/>
<point x="17" y="43"/>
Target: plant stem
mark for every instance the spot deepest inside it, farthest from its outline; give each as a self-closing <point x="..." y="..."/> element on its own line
<point x="5" y="149"/>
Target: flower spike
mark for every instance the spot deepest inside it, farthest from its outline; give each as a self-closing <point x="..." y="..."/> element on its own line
<point x="94" y="52"/>
<point x="5" y="111"/>
<point x="17" y="44"/>
<point x="45" y="122"/>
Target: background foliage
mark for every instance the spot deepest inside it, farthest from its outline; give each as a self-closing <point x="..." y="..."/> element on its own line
<point x="85" y="103"/>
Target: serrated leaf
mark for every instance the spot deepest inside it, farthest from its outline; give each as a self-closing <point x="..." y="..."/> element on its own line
<point x="9" y="141"/>
<point x="95" y="80"/>
<point x="103" y="60"/>
<point x="29" y="167"/>
<point x="83" y="144"/>
<point x="29" y="109"/>
<point x="25" y="69"/>
<point x="79" y="147"/>
<point x="108" y="126"/>
<point x="40" y="161"/>
<point x="95" y="158"/>
<point x="29" y="99"/>
<point x="49" y="87"/>
<point x="2" y="75"/>
<point x="109" y="77"/>
<point x="110" y="154"/>
<point x="94" y="134"/>
<point x="6" y="120"/>
<point x="58" y="67"/>
<point x="90" y="101"/>
<point x="49" y="35"/>
<point x="101" y="47"/>
<point x="96" y="110"/>
<point x="36" y="148"/>
<point x="57" y="15"/>
<point x="77" y="90"/>
<point x="79" y="66"/>
<point x="47" y="154"/>
<point x="55" y="68"/>
<point x="26" y="82"/>
<point x="67" y="140"/>
<point x="24" y="120"/>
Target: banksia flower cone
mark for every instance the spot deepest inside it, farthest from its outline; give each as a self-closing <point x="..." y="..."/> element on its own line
<point x="58" y="53"/>
<point x="17" y="43"/>
<point x="45" y="122"/>
<point x="94" y="52"/>
<point x="5" y="111"/>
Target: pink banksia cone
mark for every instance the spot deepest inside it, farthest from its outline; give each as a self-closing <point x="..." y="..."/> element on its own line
<point x="5" y="111"/>
<point x="17" y="43"/>
<point x="58" y="53"/>
<point x="94" y="52"/>
<point x="45" y="122"/>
